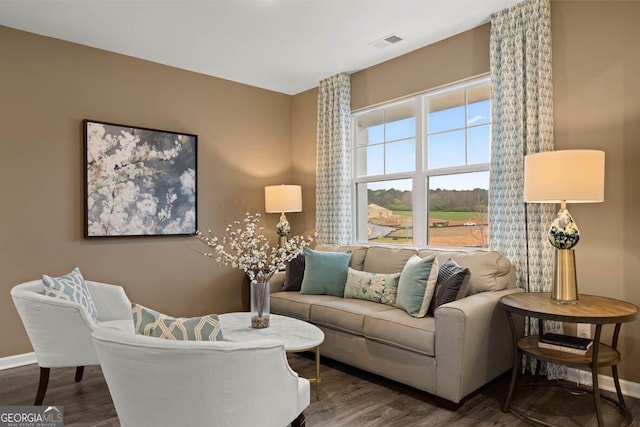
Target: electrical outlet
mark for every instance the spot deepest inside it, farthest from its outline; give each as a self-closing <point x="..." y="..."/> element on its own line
<point x="585" y="378"/>
<point x="584" y="330"/>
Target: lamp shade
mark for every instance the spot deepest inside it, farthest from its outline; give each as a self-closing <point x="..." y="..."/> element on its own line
<point x="573" y="176"/>
<point x="283" y="198"/>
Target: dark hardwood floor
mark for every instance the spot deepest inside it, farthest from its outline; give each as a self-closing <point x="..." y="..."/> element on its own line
<point x="349" y="397"/>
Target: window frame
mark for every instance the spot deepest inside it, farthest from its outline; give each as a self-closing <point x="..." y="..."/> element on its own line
<point x="420" y="176"/>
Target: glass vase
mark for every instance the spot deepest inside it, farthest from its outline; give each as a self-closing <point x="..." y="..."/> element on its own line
<point x="260" y="292"/>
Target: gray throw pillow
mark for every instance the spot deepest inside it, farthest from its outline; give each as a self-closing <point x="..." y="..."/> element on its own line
<point x="452" y="284"/>
<point x="294" y="274"/>
<point x="325" y="273"/>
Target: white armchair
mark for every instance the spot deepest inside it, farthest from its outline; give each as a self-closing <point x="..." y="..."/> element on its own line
<point x="60" y="331"/>
<point x="158" y="382"/>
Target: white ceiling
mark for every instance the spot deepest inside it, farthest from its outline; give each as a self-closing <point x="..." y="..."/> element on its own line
<point x="282" y="45"/>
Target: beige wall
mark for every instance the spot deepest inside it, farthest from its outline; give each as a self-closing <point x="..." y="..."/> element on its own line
<point x="456" y="58"/>
<point x="303" y="151"/>
<point x="596" y="66"/>
<point x="47" y="87"/>
<point x="596" y="69"/>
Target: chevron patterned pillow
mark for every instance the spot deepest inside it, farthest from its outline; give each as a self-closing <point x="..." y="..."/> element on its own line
<point x="144" y="319"/>
<point x="71" y="287"/>
<point x="154" y="324"/>
<point x="205" y="328"/>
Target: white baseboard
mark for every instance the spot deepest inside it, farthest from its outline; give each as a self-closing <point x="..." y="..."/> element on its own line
<point x="17" y="360"/>
<point x="605" y="382"/>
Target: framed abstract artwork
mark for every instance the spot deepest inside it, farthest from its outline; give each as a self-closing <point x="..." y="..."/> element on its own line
<point x="139" y="181"/>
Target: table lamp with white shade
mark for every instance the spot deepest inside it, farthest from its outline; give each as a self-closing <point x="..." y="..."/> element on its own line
<point x="564" y="176"/>
<point x="281" y="199"/>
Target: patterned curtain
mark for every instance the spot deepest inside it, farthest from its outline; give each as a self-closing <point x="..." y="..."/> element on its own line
<point x="522" y="102"/>
<point x="333" y="170"/>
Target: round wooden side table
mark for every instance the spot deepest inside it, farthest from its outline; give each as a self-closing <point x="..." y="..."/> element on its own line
<point x="591" y="309"/>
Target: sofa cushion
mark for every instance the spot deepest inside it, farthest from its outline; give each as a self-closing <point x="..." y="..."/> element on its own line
<point x="417" y="284"/>
<point x="325" y="273"/>
<point x="398" y="329"/>
<point x="344" y="314"/>
<point x="490" y="271"/>
<point x="376" y="287"/>
<point x="382" y="259"/>
<point x="294" y="274"/>
<point x="452" y="284"/>
<point x="358" y="253"/>
<point x="71" y="287"/>
<point x="295" y="304"/>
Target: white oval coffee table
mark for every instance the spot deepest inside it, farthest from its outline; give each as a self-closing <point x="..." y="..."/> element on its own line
<point x="297" y="335"/>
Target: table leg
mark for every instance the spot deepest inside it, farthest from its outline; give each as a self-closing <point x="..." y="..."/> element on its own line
<point x="538" y="361"/>
<point x="614" y="368"/>
<point x="594" y="375"/>
<point x="318" y="373"/>
<point x="514" y="371"/>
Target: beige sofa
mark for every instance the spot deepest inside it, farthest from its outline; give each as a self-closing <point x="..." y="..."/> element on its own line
<point x="464" y="346"/>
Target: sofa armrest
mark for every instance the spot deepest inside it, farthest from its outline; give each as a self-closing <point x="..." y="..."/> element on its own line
<point x="277" y="281"/>
<point x="473" y="343"/>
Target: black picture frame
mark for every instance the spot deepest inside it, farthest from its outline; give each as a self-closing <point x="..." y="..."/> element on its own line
<point x="139" y="181"/>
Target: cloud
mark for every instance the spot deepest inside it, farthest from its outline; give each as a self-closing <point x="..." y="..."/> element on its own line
<point x="474" y="119"/>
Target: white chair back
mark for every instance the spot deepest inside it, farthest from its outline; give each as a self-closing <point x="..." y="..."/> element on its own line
<point x="158" y="382"/>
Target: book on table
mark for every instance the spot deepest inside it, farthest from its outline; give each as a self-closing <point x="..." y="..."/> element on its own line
<point x="566" y="343"/>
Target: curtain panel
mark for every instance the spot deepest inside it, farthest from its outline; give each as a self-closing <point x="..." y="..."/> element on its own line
<point x="333" y="171"/>
<point x="522" y="109"/>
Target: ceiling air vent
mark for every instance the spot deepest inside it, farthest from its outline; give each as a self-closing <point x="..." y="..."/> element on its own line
<point x="386" y="41"/>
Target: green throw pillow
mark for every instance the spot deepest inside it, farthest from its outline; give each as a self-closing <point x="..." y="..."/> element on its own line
<point x="71" y="287"/>
<point x="154" y="324"/>
<point x="417" y="284"/>
<point x="325" y="273"/>
<point x="374" y="287"/>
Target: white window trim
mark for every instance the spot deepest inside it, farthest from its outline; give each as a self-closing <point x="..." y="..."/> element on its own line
<point x="422" y="173"/>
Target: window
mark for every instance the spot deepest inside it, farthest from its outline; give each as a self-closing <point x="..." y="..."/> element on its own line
<point x="421" y="171"/>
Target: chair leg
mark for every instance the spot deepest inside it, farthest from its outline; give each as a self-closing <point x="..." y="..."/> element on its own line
<point x="42" y="386"/>
<point x="79" y="372"/>
<point x="300" y="421"/>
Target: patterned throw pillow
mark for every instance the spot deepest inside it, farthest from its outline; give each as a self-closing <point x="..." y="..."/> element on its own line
<point x="374" y="287"/>
<point x="205" y="328"/>
<point x="71" y="287"/>
<point x="452" y="284"/>
<point x="144" y="319"/>
<point x="154" y="324"/>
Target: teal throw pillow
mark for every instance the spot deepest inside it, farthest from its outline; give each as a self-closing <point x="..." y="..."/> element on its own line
<point x="417" y="284"/>
<point x="325" y="273"/>
<point x="71" y="287"/>
<point x="376" y="287"/>
<point x="154" y="324"/>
